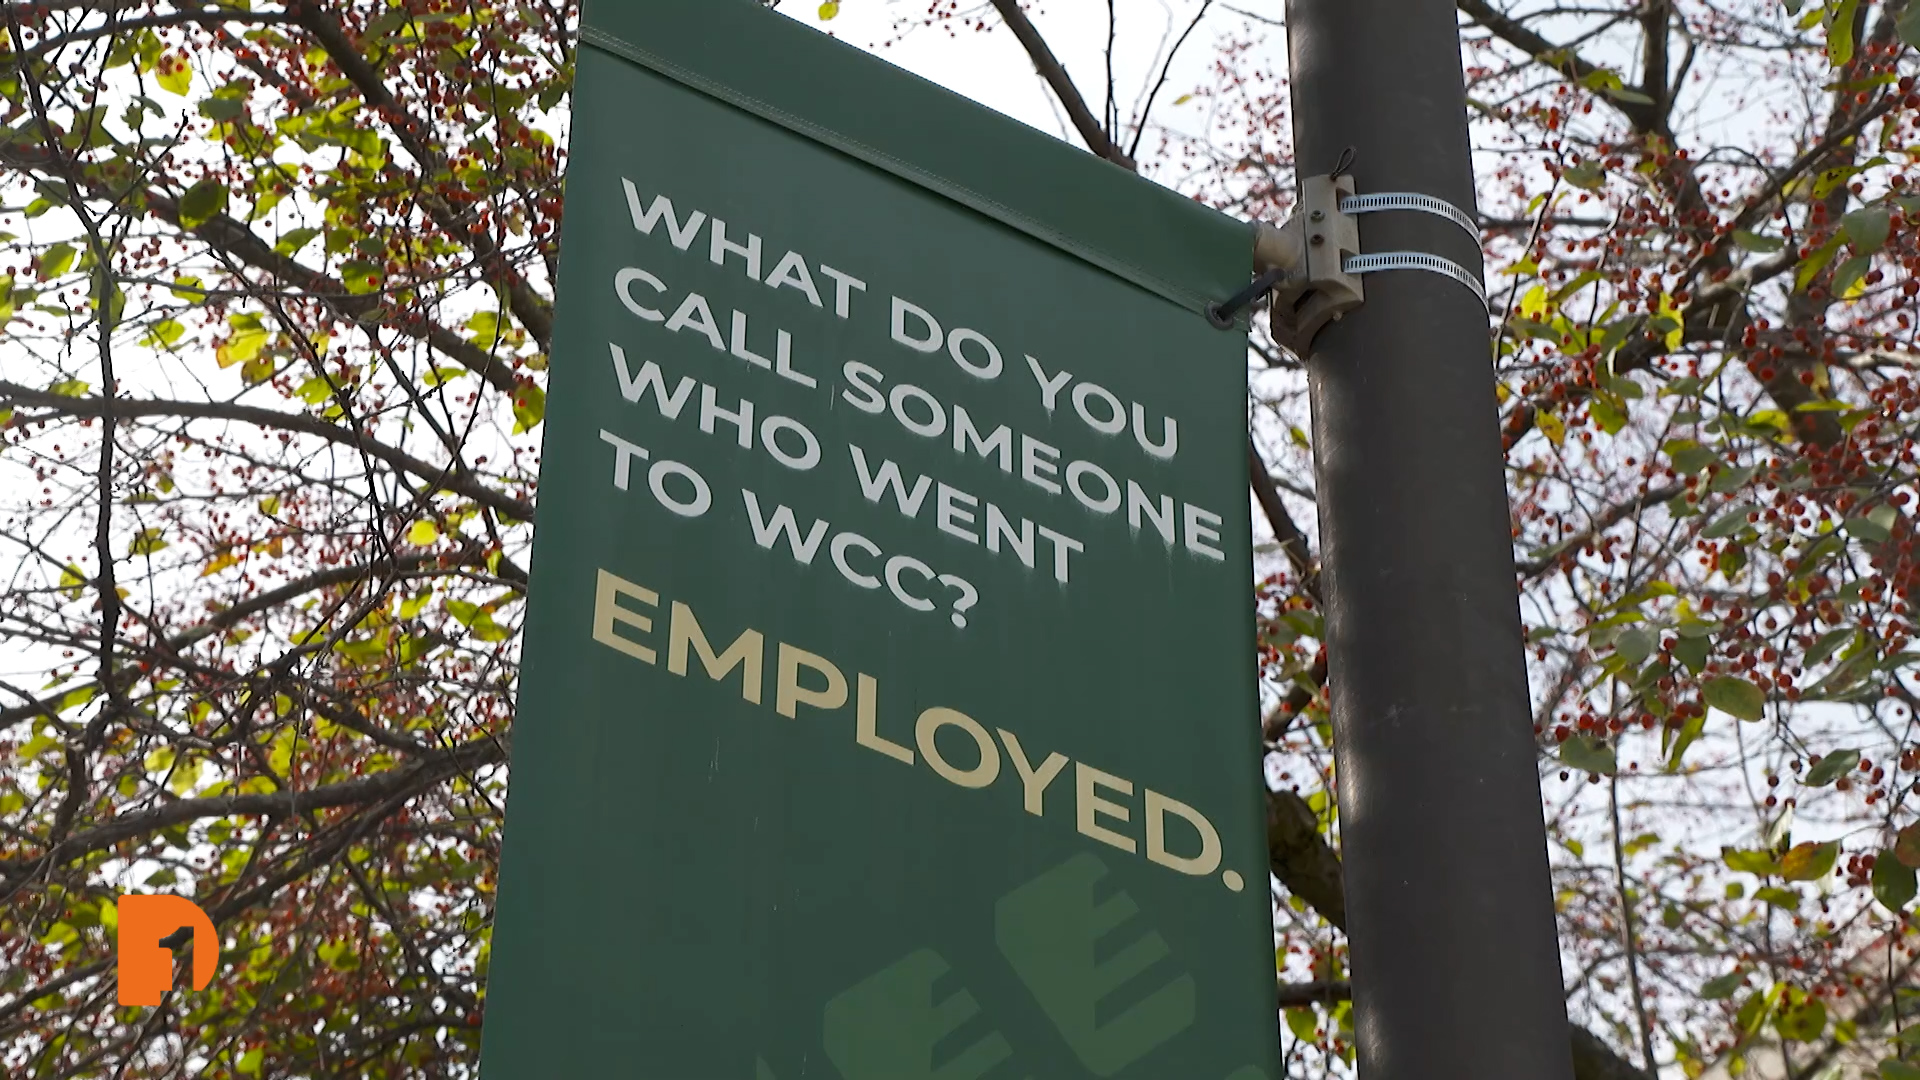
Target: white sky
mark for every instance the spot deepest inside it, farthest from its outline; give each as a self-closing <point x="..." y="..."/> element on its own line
<point x="990" y="67"/>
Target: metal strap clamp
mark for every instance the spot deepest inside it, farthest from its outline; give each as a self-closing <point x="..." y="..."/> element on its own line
<point x="1417" y="260"/>
<point x="1312" y="263"/>
<point x="1407" y="200"/>
<point x="1414" y="260"/>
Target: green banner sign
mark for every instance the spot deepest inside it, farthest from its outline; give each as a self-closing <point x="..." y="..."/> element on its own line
<point x="889" y="698"/>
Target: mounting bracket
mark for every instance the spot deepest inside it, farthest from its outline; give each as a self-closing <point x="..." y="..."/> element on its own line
<point x="1311" y="251"/>
<point x="1312" y="263"/>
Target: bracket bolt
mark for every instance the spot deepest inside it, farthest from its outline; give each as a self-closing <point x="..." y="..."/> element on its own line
<point x="1317" y="215"/>
<point x="1318" y="240"/>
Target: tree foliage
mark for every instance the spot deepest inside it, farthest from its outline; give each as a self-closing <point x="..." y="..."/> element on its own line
<point x="276" y="304"/>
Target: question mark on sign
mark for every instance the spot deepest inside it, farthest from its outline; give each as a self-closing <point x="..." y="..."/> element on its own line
<point x="969" y="596"/>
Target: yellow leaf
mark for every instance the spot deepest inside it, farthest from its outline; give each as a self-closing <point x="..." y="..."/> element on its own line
<point x="1536" y="304"/>
<point x="423" y="532"/>
<point x="829" y="9"/>
<point x="72" y="581"/>
<point x="1501" y="393"/>
<point x="1551" y="426"/>
<point x="174" y="72"/>
<point x="1672" y="312"/>
<point x="146" y="542"/>
<point x="220" y="562"/>
<point x="248" y="341"/>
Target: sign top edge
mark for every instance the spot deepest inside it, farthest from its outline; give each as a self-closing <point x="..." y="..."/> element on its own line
<point x="770" y="66"/>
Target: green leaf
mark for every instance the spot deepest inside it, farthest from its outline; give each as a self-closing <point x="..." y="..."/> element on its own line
<point x="360" y="276"/>
<point x="1811" y="266"/>
<point x="1785" y="899"/>
<point x="1832" y="767"/>
<point x="146" y="542"/>
<point x="1669" y="322"/>
<point x="1728" y="523"/>
<point x="222" y="108"/>
<point x="1809" y="861"/>
<point x="1735" y="696"/>
<point x="295" y="239"/>
<point x="1866" y="529"/>
<point x="1758" y="863"/>
<point x="1829" y="641"/>
<point x="1688" y="456"/>
<point x="70" y="388"/>
<point x="1848" y="279"/>
<point x="1730" y="480"/>
<point x="190" y="289"/>
<point x="1763" y="245"/>
<point x="1588" y="176"/>
<point x="1894" y="887"/>
<point x="1692" y="652"/>
<point x="1803" y="1021"/>
<point x="1908" y="25"/>
<point x="529" y="408"/>
<point x="1867" y="229"/>
<point x="1724" y="987"/>
<point x="1634" y="646"/>
<point x="201" y="202"/>
<point x="56" y="260"/>
<point x="1304" y="1023"/>
<point x="1840" y="32"/>
<point x="1588" y="755"/>
<point x="486" y="327"/>
<point x="1893" y="1069"/>
<point x="73" y="699"/>
<point x="1608" y="412"/>
<point x="163" y="334"/>
<point x="314" y="391"/>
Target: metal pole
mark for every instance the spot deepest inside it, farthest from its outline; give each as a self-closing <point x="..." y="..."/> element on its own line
<point x="1456" y="965"/>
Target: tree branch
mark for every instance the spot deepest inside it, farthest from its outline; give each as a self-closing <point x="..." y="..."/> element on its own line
<point x="408" y="780"/>
<point x="533" y="312"/>
<point x="1285" y="530"/>
<point x="1098" y="139"/>
<point x="1613" y="516"/>
<point x="228" y="236"/>
<point x="453" y="478"/>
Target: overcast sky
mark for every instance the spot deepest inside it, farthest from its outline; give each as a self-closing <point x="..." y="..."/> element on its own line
<point x="992" y="69"/>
